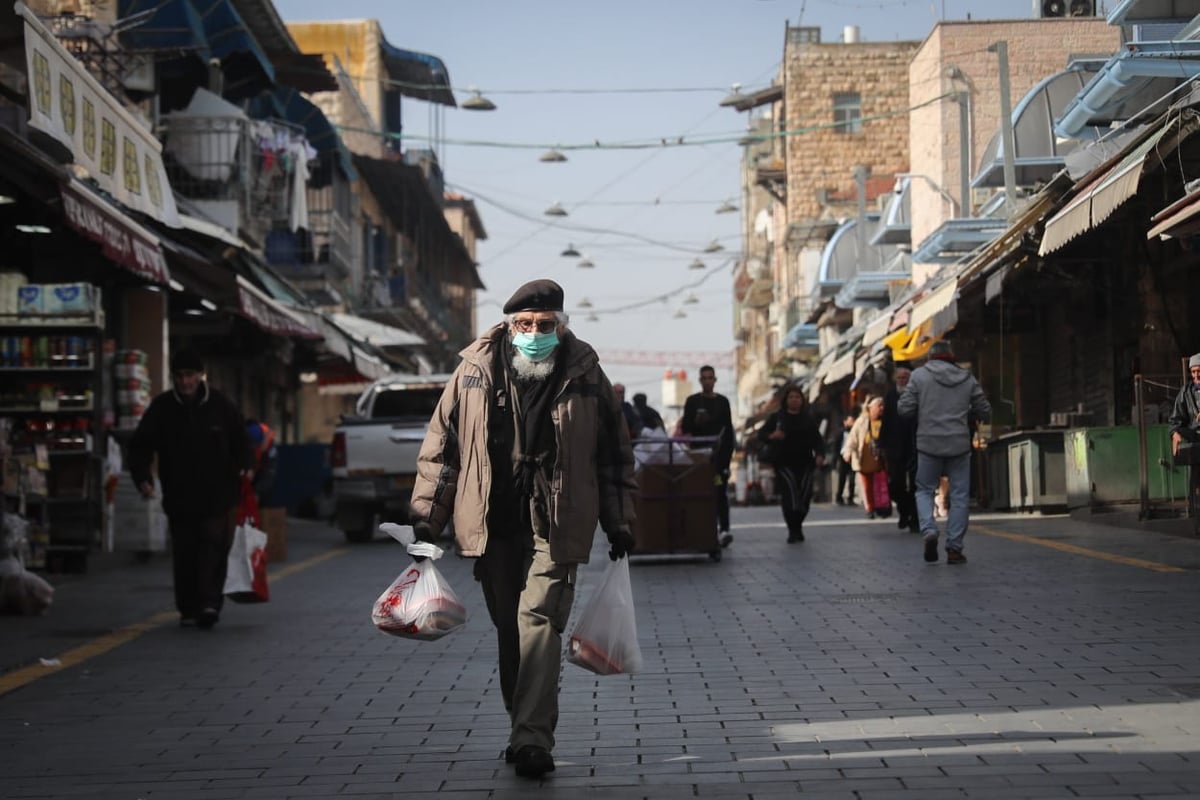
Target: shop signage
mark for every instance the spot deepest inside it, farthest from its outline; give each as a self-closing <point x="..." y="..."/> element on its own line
<point x="269" y="315"/>
<point x="113" y="146"/>
<point x="123" y="240"/>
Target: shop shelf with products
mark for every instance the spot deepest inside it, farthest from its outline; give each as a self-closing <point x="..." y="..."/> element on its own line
<point x="52" y="393"/>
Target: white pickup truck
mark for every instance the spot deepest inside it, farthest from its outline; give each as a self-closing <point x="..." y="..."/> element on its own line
<point x="374" y="453"/>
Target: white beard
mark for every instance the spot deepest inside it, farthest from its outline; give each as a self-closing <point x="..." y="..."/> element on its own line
<point x="529" y="370"/>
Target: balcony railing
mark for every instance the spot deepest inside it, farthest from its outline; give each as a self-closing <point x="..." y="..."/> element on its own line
<point x="238" y="171"/>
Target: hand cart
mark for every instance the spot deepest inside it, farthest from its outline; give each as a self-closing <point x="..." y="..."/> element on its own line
<point x="676" y="505"/>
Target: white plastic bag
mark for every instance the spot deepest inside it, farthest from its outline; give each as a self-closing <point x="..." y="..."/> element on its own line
<point x="21" y="591"/>
<point x="605" y="638"/>
<point x="420" y="603"/>
<point x="246" y="568"/>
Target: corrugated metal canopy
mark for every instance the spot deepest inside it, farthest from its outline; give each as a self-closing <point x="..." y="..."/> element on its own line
<point x="1038" y="152"/>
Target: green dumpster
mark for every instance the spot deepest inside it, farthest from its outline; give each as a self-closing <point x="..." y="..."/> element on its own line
<point x="1102" y="466"/>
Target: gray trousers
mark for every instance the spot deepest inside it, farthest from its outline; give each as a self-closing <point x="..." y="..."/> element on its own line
<point x="529" y="598"/>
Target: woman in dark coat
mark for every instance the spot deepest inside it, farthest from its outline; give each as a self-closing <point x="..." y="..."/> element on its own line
<point x="798" y="449"/>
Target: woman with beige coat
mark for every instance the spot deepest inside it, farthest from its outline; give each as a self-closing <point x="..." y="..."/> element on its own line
<point x="865" y="456"/>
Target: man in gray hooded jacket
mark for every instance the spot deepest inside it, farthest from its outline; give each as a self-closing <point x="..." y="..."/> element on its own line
<point x="944" y="398"/>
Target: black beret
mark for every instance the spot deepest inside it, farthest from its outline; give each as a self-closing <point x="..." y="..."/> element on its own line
<point x="540" y="295"/>
<point x="186" y="359"/>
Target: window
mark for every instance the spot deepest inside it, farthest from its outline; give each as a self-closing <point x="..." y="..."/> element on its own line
<point x="847" y="112"/>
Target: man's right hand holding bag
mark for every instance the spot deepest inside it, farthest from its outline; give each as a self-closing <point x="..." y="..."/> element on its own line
<point x="622" y="543"/>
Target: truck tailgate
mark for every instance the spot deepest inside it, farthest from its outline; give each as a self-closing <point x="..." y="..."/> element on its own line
<point x="383" y="448"/>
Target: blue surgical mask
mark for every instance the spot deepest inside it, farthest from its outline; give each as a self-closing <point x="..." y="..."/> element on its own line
<point x="536" y="346"/>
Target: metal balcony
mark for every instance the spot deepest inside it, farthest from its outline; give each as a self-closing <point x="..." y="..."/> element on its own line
<point x="239" y="172"/>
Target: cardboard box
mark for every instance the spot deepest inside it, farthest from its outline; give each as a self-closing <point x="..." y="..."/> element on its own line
<point x="70" y="298"/>
<point x="31" y="299"/>
<point x="274" y="521"/>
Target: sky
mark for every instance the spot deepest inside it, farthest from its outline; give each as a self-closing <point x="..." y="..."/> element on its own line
<point x="615" y="86"/>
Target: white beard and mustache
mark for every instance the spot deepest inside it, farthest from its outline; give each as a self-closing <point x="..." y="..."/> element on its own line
<point x="528" y="370"/>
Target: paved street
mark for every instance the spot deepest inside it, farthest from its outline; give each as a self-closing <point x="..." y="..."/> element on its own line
<point x="1063" y="661"/>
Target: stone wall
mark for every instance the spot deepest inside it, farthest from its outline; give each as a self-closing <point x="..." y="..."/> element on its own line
<point x="955" y="58"/>
<point x="820" y="156"/>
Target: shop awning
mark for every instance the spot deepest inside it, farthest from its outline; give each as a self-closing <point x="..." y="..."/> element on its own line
<point x="375" y="333"/>
<point x="843" y="367"/>
<point x="122" y="240"/>
<point x="257" y="306"/>
<point x="1107" y="192"/>
<point x="931" y="304"/>
<point x="877" y="328"/>
<point x="1178" y="220"/>
<point x="68" y="104"/>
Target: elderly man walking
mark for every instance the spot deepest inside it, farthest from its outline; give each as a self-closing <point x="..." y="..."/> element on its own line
<point x="944" y="398"/>
<point x="525" y="452"/>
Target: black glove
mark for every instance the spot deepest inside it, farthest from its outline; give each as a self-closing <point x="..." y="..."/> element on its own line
<point x="622" y="542"/>
<point x="423" y="533"/>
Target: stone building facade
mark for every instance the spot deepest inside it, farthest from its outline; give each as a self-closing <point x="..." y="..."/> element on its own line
<point x="955" y="58"/>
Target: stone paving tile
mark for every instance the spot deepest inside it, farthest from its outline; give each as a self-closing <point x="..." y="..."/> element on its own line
<point x="835" y="669"/>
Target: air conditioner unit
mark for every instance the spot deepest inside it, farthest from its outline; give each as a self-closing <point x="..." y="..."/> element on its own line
<point x="140" y="75"/>
<point x="1068" y="8"/>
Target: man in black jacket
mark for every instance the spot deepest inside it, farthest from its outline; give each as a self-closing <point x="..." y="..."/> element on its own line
<point x="707" y="413"/>
<point x="200" y="441"/>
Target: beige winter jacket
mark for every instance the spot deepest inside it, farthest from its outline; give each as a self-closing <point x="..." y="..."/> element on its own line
<point x="592" y="479"/>
<point x="859" y="435"/>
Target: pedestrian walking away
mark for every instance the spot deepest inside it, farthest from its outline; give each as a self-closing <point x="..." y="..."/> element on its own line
<point x="945" y="400"/>
<point x="1184" y="422"/>
<point x="199" y="439"/>
<point x="897" y="437"/>
<point x="526" y="451"/>
<point x="708" y="414"/>
<point x="799" y="449"/>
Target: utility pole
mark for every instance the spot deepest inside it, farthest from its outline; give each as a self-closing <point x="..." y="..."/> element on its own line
<point x="1006" y="129"/>
<point x="964" y="154"/>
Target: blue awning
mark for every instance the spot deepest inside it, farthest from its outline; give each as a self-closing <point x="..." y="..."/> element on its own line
<point x="206" y="28"/>
<point x="171" y="25"/>
<point x="418" y="75"/>
<point x="290" y="105"/>
<point x="1134" y="82"/>
<point x="802" y="336"/>
<point x="841" y="259"/>
<point x="956" y="238"/>
<point x="1140" y="12"/>
<point x="1037" y="152"/>
<point x="896" y="225"/>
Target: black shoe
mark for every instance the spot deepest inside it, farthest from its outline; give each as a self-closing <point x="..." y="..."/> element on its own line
<point x="902" y="523"/>
<point x="510" y="756"/>
<point x="931" y="550"/>
<point x="795" y="536"/>
<point x="840" y="501"/>
<point x="726" y="539"/>
<point x="955" y="557"/>
<point x="207" y="618"/>
<point x="870" y="515"/>
<point x="533" y="761"/>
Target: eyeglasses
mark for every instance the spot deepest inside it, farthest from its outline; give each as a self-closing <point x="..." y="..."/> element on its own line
<point x="539" y="325"/>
